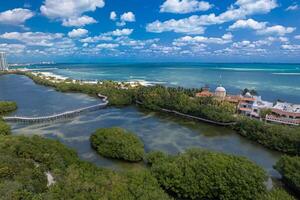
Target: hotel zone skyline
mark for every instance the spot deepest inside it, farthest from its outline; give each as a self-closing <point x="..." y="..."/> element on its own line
<point x="156" y="30"/>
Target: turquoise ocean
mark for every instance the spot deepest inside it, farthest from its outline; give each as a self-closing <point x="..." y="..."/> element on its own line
<point x="272" y="81"/>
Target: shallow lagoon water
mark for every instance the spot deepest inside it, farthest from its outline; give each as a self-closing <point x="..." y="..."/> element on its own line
<point x="158" y="131"/>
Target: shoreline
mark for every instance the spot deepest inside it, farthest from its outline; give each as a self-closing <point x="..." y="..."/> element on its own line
<point x="51" y="75"/>
<point x="242" y="126"/>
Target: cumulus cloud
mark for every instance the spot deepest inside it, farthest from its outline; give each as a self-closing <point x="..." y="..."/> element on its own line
<point x="290" y="47"/>
<point x="69" y="8"/>
<point x="184" y="6"/>
<point x="78" y="33"/>
<point x="261" y="27"/>
<point x="33" y="38"/>
<point x="12" y="48"/>
<point x="107" y="46"/>
<point x="113" y="15"/>
<point x="249" y="23"/>
<point x="278" y="29"/>
<point x="79" y="22"/>
<point x="96" y="39"/>
<point x="70" y="11"/>
<point x="120" y="32"/>
<point x="188" y="26"/>
<point x="292" y="7"/>
<point x="297" y="37"/>
<point x="126" y="17"/>
<point x="194" y="24"/>
<point x="15" y="16"/>
<point x="188" y="40"/>
<point x="108" y="36"/>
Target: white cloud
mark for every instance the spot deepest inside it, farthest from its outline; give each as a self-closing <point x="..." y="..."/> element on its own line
<point x="261" y="27"/>
<point x="128" y="17"/>
<point x="78" y="33"/>
<point x="290" y="47"/>
<point x="33" y="38"/>
<point x="107" y="46"/>
<point x="70" y="11"/>
<point x="249" y="23"/>
<point x="292" y="7"/>
<point x="188" y="40"/>
<point x="113" y="15"/>
<point x="96" y="39"/>
<point x="69" y="8"/>
<point x="108" y="36"/>
<point x="195" y="23"/>
<point x="12" y="48"/>
<point x="188" y="26"/>
<point x="278" y="29"/>
<point x="120" y="32"/>
<point x="79" y="21"/>
<point x="16" y="16"/>
<point x="184" y="6"/>
<point x="297" y="37"/>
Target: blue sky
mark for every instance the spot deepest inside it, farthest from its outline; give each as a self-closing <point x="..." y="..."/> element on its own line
<point x="150" y="30"/>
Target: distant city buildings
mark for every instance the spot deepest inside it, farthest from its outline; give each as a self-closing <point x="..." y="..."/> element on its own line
<point x="252" y="106"/>
<point x="3" y="63"/>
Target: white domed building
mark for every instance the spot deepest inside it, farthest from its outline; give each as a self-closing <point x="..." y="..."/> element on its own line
<point x="220" y="92"/>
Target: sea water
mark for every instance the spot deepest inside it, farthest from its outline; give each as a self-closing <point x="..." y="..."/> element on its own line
<point x="272" y="81"/>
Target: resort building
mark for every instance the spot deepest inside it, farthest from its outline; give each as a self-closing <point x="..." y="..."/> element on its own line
<point x="259" y="105"/>
<point x="3" y="63"/>
<point x="251" y="105"/>
<point x="285" y="113"/>
<point x="245" y="104"/>
<point x="205" y="92"/>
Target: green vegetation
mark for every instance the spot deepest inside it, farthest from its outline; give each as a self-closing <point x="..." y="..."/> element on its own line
<point x="117" y="96"/>
<point x="277" y="194"/>
<point x="178" y="99"/>
<point x="199" y="174"/>
<point x="25" y="160"/>
<point x="7" y="107"/>
<point x="4" y="128"/>
<point x="117" y="143"/>
<point x="264" y="112"/>
<point x="278" y="137"/>
<point x="289" y="168"/>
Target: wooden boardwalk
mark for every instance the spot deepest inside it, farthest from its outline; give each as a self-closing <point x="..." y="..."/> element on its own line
<point x="63" y="115"/>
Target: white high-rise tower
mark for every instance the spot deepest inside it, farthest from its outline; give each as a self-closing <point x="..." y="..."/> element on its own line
<point x="3" y="63"/>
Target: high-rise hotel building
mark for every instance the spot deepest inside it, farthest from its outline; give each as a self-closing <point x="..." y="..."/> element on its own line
<point x="3" y="63"/>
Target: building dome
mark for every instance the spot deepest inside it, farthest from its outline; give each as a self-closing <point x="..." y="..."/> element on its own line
<point x="220" y="89"/>
<point x="220" y="92"/>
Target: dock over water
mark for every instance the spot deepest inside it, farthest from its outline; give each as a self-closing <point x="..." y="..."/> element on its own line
<point x="64" y="115"/>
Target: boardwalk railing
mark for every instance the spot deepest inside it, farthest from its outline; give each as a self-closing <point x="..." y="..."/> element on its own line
<point x="194" y="117"/>
<point x="63" y="115"/>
